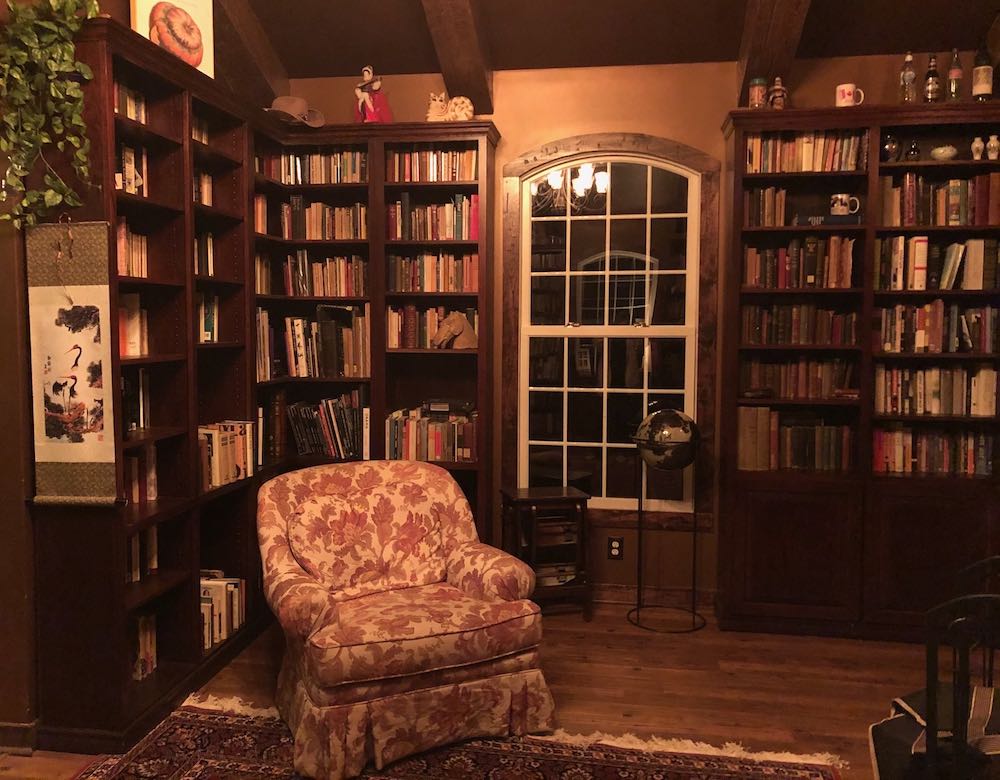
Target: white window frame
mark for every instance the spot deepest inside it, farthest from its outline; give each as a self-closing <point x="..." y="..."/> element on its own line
<point x="688" y="331"/>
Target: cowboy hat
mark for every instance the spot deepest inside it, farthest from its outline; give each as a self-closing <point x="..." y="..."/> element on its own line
<point x="295" y="109"/>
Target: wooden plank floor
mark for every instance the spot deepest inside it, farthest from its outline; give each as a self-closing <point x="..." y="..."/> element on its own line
<point x="798" y="694"/>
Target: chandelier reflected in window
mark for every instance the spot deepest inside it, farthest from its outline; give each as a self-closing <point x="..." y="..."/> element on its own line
<point x="584" y="190"/>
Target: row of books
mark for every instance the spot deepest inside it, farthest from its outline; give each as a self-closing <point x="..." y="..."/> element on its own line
<point x="832" y="150"/>
<point x="456" y="220"/>
<point x="130" y="103"/>
<point x="199" y="129"/>
<point x="131" y="250"/>
<point x="141" y="482"/>
<point x="434" y="272"/>
<point x="768" y="440"/>
<point x="204" y="254"/>
<point x="435" y="431"/>
<point x="905" y="450"/>
<point x="936" y="390"/>
<point x="335" y="344"/>
<point x="142" y="556"/>
<point x="132" y="170"/>
<point x="320" y="167"/>
<point x="799" y="379"/>
<point x="813" y="262"/>
<point x="916" y="264"/>
<point x="303" y="275"/>
<point x="410" y="328"/>
<point x="917" y="200"/>
<point x="223" y="606"/>
<point x="938" y="327"/>
<point x="143" y="646"/>
<point x="133" y="326"/>
<point x="322" y="222"/>
<point x="800" y="323"/>
<point x="432" y="165"/>
<point x="208" y="317"/>
<point x="203" y="188"/>
<point x="260" y="214"/>
<point x="228" y="452"/>
<point x="135" y="399"/>
<point x="764" y="207"/>
<point x="335" y="427"/>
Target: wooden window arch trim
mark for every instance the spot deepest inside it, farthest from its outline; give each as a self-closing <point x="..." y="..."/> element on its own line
<point x="563" y="152"/>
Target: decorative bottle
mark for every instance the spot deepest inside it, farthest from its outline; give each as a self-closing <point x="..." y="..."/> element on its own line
<point x="932" y="81"/>
<point x="908" y="81"/>
<point x="982" y="76"/>
<point x="977" y="148"/>
<point x="993" y="148"/>
<point x="955" y="77"/>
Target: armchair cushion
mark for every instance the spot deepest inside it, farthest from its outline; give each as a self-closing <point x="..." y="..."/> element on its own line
<point x="484" y="572"/>
<point x="368" y="541"/>
<point x="419" y="629"/>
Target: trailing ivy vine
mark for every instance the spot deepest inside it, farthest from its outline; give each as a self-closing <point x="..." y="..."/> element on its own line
<point x="42" y="105"/>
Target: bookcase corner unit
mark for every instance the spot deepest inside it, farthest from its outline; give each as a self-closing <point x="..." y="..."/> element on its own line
<point x="201" y="234"/>
<point x="860" y="354"/>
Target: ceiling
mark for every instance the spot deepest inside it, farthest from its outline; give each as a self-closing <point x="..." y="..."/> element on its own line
<point x="393" y="35"/>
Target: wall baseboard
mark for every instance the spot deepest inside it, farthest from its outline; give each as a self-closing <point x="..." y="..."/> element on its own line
<point x="610" y="593"/>
<point x="18" y="739"/>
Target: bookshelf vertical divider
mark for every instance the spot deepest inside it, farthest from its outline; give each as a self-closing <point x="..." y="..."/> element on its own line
<point x="114" y="582"/>
<point x="864" y="551"/>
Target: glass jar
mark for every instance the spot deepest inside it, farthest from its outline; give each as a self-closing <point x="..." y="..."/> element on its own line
<point x="757" y="93"/>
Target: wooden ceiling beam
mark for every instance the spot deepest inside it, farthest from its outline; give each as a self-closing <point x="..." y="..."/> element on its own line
<point x="771" y="33"/>
<point x="460" y="45"/>
<point x="247" y="30"/>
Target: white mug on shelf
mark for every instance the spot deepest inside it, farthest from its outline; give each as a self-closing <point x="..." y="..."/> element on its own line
<point x="849" y="95"/>
<point x="842" y="204"/>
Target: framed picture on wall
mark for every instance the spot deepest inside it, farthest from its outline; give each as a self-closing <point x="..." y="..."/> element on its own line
<point x="183" y="27"/>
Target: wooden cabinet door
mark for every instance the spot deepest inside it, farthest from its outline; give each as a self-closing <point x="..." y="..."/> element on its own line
<point x="918" y="535"/>
<point x="796" y="551"/>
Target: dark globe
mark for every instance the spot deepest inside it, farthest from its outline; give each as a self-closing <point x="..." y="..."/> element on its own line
<point x="667" y="439"/>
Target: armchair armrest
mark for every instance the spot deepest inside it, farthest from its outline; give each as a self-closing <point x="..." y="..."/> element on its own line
<point x="490" y="574"/>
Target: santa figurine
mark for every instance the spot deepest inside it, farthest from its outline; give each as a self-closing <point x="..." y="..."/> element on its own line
<point x="372" y="105"/>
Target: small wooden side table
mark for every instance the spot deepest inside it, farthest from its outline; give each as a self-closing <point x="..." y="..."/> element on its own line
<point x="546" y="527"/>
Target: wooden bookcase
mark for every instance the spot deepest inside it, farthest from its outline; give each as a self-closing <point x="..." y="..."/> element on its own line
<point x="850" y="550"/>
<point x="88" y="612"/>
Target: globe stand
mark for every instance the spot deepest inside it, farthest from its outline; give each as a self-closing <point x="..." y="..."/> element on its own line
<point x="634" y="615"/>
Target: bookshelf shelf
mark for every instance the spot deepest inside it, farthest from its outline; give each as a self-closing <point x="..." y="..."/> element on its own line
<point x="806" y="291"/>
<point x="870" y="522"/>
<point x="206" y="279"/>
<point x="353" y="242"/>
<point x="213" y="159"/>
<point x="210" y="345"/>
<point x="135" y="517"/>
<point x="142" y="281"/>
<point x="313" y="299"/>
<point x="137" y="131"/>
<point x="129" y="203"/>
<point x="143" y="436"/>
<point x="422" y="295"/>
<point x="395" y="242"/>
<point x="224" y="490"/>
<point x="145" y="693"/>
<point x="153" y="360"/>
<point x="807" y="229"/>
<point x="216" y="214"/>
<point x="427" y="351"/>
<point x="153" y="586"/>
<point x="265" y="183"/>
<point x="431" y="185"/>
<point x="315" y="380"/>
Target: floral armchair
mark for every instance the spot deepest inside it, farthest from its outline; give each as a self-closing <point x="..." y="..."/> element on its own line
<point x="403" y="631"/>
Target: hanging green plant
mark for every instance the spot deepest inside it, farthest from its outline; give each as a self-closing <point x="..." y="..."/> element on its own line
<point x="42" y="105"/>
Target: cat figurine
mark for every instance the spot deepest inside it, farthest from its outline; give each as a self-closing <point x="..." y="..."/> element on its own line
<point x="440" y="109"/>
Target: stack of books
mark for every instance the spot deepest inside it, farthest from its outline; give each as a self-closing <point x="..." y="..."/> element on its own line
<point x="799" y="379"/>
<point x="915" y="264"/>
<point x="208" y="318"/>
<point x="337" y="428"/>
<point x="142" y="556"/>
<point x="937" y="327"/>
<point x="199" y="129"/>
<point x="800" y="323"/>
<point x="143" y="650"/>
<point x="204" y="254"/>
<point x="229" y="452"/>
<point x="916" y="201"/>
<point x="140" y="474"/>
<point x="341" y="167"/>
<point x="764" y="207"/>
<point x="832" y="150"/>
<point x="456" y="220"/>
<point x="132" y="170"/>
<point x="434" y="272"/>
<point x="135" y="399"/>
<point x="335" y="344"/>
<point x="431" y="165"/>
<point x="203" y="188"/>
<point x="133" y="326"/>
<point x="903" y="450"/>
<point x="130" y="103"/>
<point x="435" y="431"/>
<point x="329" y="277"/>
<point x="322" y="222"/>
<point x="936" y="390"/>
<point x="769" y="440"/>
<point x="223" y="606"/>
<point x="132" y="251"/>
<point x="826" y="263"/>
<point x="410" y="328"/>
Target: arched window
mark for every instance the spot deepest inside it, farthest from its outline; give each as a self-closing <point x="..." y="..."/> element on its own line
<point x="609" y="307"/>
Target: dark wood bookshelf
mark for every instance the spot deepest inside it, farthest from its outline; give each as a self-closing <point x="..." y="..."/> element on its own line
<point x="889" y="544"/>
<point x="87" y="699"/>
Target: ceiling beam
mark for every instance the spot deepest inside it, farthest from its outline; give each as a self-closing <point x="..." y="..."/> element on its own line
<point x="250" y="33"/>
<point x="771" y="33"/>
<point x="461" y="50"/>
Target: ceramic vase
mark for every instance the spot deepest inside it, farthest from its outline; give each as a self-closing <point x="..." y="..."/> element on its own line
<point x="890" y="148"/>
<point x="913" y="153"/>
<point x="993" y="148"/>
<point x="977" y="148"/>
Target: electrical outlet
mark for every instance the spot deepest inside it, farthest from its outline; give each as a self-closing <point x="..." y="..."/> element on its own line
<point x="616" y="548"/>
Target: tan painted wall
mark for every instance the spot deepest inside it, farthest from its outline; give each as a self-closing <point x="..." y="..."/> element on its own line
<point x="686" y="103"/>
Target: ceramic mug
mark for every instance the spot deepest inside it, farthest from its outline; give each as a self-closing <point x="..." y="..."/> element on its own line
<point x="849" y="95"/>
<point x="842" y="204"/>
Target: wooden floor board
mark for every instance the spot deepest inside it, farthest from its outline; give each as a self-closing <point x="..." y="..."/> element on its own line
<point x="769" y="692"/>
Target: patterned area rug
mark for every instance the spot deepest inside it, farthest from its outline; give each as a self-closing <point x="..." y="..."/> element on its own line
<point x="195" y="744"/>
